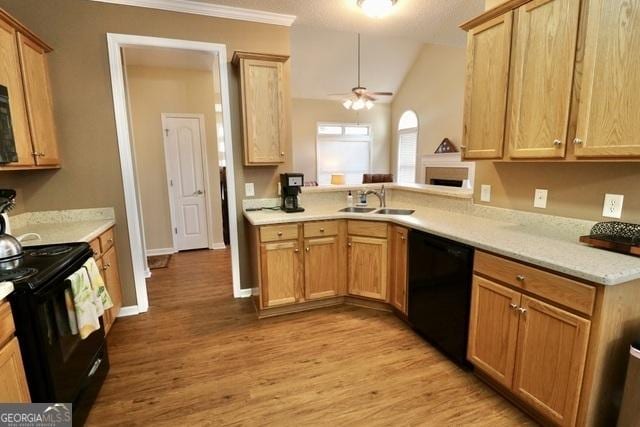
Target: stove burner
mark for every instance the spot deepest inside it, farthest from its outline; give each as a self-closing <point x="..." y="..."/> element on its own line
<point x="51" y="251"/>
<point x="17" y="274"/>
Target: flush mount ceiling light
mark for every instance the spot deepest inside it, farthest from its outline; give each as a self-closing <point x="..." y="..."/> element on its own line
<point x="377" y="8"/>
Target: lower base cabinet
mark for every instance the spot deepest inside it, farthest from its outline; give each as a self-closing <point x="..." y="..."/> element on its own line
<point x="280" y="264"/>
<point x="104" y="252"/>
<point x="321" y="267"/>
<point x="534" y="349"/>
<point x="13" y="381"/>
<point x="398" y="264"/>
<point x="368" y="270"/>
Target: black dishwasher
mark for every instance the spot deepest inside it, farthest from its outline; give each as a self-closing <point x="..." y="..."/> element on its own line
<point x="440" y="273"/>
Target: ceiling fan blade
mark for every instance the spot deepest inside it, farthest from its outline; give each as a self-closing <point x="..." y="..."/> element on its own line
<point x="369" y="96"/>
<point x="382" y="93"/>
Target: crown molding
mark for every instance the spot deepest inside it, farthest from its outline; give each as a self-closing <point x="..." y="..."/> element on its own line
<point x="208" y="9"/>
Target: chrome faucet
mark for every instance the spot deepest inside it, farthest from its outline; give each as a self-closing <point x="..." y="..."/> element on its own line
<point x="381" y="195"/>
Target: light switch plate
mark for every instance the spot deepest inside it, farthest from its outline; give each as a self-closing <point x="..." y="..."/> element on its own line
<point x="540" y="199"/>
<point x="249" y="189"/>
<point x="485" y="193"/>
<point x="613" y="205"/>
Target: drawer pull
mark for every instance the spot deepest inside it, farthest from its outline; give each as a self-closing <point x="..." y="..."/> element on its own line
<point x="308" y="249"/>
<point x="110" y="241"/>
<point x="522" y="311"/>
<point x="520" y="278"/>
<point x="279" y="233"/>
<point x="296" y="250"/>
<point x="513" y="306"/>
<point x="322" y="230"/>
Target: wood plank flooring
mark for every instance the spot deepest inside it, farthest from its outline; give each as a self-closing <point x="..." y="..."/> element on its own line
<point x="199" y="357"/>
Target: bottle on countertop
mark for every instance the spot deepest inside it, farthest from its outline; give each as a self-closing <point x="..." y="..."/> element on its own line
<point x="349" y="199"/>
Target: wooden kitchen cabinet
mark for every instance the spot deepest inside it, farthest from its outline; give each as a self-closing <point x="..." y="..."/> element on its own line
<point x="545" y="37"/>
<point x="608" y="119"/>
<point x="104" y="252"/>
<point x="264" y="111"/>
<point x="24" y="71"/>
<point x="11" y="78"/>
<point x="487" y="75"/>
<point x="400" y="241"/>
<point x="322" y="267"/>
<point x="13" y="381"/>
<point x="493" y="329"/>
<point x="367" y="267"/>
<point x="534" y="349"/>
<point x="552" y="349"/>
<point x="281" y="269"/>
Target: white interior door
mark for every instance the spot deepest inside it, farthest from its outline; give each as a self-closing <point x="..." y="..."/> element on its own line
<point x="183" y="144"/>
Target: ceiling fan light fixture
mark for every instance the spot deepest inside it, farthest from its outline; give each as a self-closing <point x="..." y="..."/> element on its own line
<point x="359" y="104"/>
<point x="377" y="8"/>
<point x="347" y="104"/>
<point x="369" y="104"/>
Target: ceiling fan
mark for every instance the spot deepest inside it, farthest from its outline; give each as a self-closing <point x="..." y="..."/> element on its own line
<point x="360" y="97"/>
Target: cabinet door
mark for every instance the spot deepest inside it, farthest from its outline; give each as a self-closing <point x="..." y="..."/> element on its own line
<point x="263" y="111"/>
<point x="13" y="383"/>
<point x="35" y="77"/>
<point x="112" y="280"/>
<point x="552" y="348"/>
<point x="493" y="330"/>
<point x="488" y="55"/>
<point x="609" y="108"/>
<point x="368" y="275"/>
<point x="321" y="268"/>
<point x="280" y="270"/>
<point x="399" y="269"/>
<point x="542" y="78"/>
<point x="10" y="78"/>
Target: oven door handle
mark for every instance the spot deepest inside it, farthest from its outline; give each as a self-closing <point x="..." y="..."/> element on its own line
<point x="95" y="367"/>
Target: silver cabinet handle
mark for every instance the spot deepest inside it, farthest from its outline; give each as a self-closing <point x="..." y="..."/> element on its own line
<point x="578" y="141"/>
<point x="279" y="233"/>
<point x="520" y="278"/>
<point x="38" y="154"/>
<point x="95" y="367"/>
<point x="322" y="230"/>
<point x="296" y="250"/>
<point x="308" y="249"/>
<point x="557" y="142"/>
<point x="282" y="154"/>
<point x="513" y="306"/>
<point x="522" y="310"/>
<point x="402" y="238"/>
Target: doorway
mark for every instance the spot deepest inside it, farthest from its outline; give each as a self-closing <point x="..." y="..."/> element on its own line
<point x="187" y="179"/>
<point x="132" y="181"/>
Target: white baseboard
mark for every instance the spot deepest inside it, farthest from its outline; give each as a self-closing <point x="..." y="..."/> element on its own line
<point x="130" y="310"/>
<point x="161" y="251"/>
<point x="147" y="273"/>
<point x="218" y="246"/>
<point x="246" y="293"/>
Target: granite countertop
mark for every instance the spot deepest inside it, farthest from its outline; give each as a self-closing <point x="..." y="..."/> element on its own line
<point x="65" y="232"/>
<point x="509" y="239"/>
<point x="5" y="289"/>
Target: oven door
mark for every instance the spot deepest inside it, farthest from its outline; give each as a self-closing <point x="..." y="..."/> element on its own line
<point x="70" y="359"/>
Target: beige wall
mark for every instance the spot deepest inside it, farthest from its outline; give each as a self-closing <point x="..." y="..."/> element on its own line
<point x="488" y="4"/>
<point x="90" y="174"/>
<point x="306" y="114"/>
<point x="153" y="91"/>
<point x="434" y="89"/>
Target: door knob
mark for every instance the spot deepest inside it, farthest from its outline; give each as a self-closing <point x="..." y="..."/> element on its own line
<point x="557" y="142"/>
<point x="577" y="141"/>
<point x="522" y="310"/>
<point x="198" y="193"/>
<point x="513" y="306"/>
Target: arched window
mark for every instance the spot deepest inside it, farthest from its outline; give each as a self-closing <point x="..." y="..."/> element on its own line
<point x="407" y="147"/>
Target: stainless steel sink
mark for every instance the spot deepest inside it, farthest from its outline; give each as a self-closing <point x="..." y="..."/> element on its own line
<point x="388" y="211"/>
<point x="357" y="210"/>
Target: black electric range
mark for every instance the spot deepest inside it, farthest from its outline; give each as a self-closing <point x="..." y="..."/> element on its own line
<point x="60" y="366"/>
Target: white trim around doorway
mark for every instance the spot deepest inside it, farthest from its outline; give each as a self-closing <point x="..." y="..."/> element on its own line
<point x="115" y="43"/>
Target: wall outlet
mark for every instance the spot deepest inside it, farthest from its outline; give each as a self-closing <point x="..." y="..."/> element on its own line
<point x="485" y="193"/>
<point x="540" y="199"/>
<point x="249" y="189"/>
<point x="613" y="205"/>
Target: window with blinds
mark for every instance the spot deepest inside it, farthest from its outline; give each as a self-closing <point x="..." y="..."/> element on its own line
<point x="343" y="149"/>
<point x="407" y="147"/>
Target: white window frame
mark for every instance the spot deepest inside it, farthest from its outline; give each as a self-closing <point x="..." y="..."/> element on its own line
<point x="406" y="131"/>
<point x="349" y="138"/>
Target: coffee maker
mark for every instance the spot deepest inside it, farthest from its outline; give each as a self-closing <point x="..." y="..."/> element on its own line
<point x="290" y="188"/>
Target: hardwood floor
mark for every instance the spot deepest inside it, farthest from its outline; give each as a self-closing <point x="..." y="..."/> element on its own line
<point x="200" y="357"/>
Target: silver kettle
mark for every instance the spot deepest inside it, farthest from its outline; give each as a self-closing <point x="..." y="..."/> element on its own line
<point x="10" y="247"/>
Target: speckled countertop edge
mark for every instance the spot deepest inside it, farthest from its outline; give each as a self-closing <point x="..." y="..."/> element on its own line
<point x="65" y="232"/>
<point x="503" y="238"/>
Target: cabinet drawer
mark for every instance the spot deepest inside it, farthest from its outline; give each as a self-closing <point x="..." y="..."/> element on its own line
<point x="106" y="240"/>
<point x="6" y="322"/>
<point x="367" y="228"/>
<point x="274" y="233"/>
<point x="95" y="247"/>
<point x="558" y="289"/>
<point x="320" y="229"/>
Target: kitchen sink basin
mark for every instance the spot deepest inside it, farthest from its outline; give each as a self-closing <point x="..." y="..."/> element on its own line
<point x="387" y="211"/>
<point x="357" y="210"/>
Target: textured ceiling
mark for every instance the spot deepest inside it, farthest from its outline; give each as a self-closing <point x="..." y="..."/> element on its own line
<point x="432" y="21"/>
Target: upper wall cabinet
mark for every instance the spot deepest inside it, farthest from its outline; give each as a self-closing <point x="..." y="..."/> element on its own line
<point x="542" y="78"/>
<point x="24" y="74"/>
<point x="572" y="72"/>
<point x="264" y="112"/>
<point x="488" y="53"/>
<point x="609" y="107"/>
